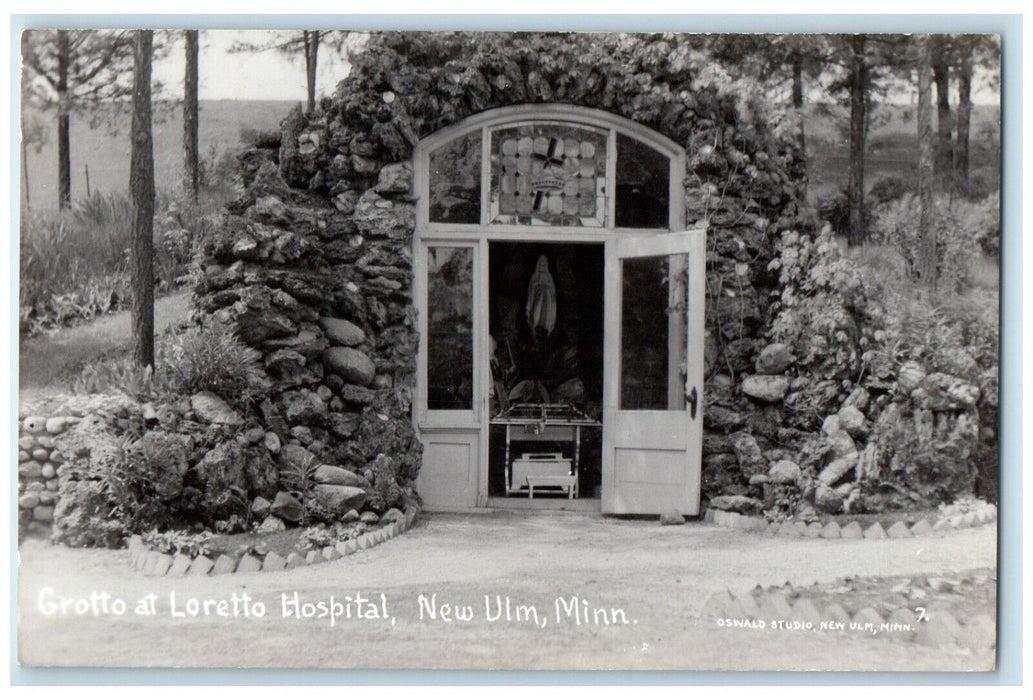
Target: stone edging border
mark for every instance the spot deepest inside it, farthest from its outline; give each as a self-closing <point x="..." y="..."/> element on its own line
<point x="153" y="563"/>
<point x="852" y="530"/>
<point x="938" y="628"/>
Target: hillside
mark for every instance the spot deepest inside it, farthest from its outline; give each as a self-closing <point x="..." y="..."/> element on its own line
<point x="892" y="147"/>
<point x="105" y="149"/>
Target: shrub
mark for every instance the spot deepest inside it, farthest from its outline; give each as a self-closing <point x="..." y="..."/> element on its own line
<point x="200" y="358"/>
<point x="212" y="358"/>
<point x="965" y="231"/>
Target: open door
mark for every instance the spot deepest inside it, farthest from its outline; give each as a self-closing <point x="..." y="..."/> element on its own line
<point x="447" y="411"/>
<point x="652" y="390"/>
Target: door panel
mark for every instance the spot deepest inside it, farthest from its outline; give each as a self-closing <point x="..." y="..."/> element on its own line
<point x="654" y="349"/>
<point x="448" y="475"/>
<point x="447" y="283"/>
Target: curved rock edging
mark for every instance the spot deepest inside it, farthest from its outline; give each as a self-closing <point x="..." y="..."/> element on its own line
<point x="939" y="628"/>
<point x="154" y="563"/>
<point x="833" y="530"/>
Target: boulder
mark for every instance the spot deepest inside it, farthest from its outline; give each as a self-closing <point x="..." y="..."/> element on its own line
<point x="942" y="392"/>
<point x="395" y="178"/>
<point x="784" y="472"/>
<point x="352" y="365"/>
<point x="774" y="359"/>
<point x="341" y="331"/>
<point x="837" y="469"/>
<point x="765" y="387"/>
<point x="212" y="409"/>
<point x="672" y="517"/>
<point x="737" y="504"/>
<point x="295" y="457"/>
<point x="260" y="507"/>
<point x="392" y="515"/>
<point x="338" y="500"/>
<point x="827" y="500"/>
<point x="272" y="442"/>
<point x="304" y="407"/>
<point x="831" y="425"/>
<point x="271" y="524"/>
<point x="724" y="419"/>
<point x="336" y="476"/>
<point x="853" y="421"/>
<point x="287" y="507"/>
<point x="910" y="376"/>
<point x="748" y="454"/>
<point x="842" y="444"/>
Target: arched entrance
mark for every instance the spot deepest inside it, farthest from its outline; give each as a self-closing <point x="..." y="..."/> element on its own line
<point x="560" y="306"/>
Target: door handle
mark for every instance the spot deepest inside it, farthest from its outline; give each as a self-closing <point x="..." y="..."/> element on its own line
<point x="693" y="399"/>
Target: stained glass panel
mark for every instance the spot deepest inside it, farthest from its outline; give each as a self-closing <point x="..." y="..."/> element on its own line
<point x="548" y="174"/>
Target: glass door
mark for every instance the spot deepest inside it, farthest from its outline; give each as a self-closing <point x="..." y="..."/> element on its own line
<point x="448" y="413"/>
<point x="652" y="389"/>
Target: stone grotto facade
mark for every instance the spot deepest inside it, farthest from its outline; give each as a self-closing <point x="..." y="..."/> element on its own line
<point x="317" y="266"/>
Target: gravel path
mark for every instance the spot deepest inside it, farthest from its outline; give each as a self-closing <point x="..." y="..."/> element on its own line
<point x="659" y="577"/>
<point x="48" y="362"/>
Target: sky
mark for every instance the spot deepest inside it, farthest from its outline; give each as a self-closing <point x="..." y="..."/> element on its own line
<point x="266" y="75"/>
<point x="270" y="75"/>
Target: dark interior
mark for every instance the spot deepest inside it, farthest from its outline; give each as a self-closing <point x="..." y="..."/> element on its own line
<point x="562" y="365"/>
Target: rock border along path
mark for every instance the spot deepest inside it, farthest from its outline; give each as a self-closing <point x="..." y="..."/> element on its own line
<point x="154" y="563"/>
<point x="852" y="530"/>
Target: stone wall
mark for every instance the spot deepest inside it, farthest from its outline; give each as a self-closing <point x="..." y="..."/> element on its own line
<point x="38" y="463"/>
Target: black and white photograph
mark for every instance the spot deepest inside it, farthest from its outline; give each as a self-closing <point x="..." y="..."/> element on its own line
<point x="349" y="348"/>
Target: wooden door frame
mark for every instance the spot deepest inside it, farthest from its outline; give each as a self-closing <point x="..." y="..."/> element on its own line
<point x="480" y="236"/>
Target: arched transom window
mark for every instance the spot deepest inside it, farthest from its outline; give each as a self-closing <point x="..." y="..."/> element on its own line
<point x="551" y="166"/>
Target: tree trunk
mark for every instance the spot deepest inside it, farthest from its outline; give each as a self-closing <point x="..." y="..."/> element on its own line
<point x="311" y="63"/>
<point x="926" y="169"/>
<point x="141" y="182"/>
<point x="941" y="76"/>
<point x="858" y="131"/>
<point x="190" y="155"/>
<point x="798" y="106"/>
<point x="964" y="112"/>
<point x="64" y="151"/>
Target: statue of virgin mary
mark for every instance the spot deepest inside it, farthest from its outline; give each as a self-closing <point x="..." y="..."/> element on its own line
<point x="541" y="298"/>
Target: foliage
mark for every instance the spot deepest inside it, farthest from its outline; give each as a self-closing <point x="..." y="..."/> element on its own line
<point x="965" y="230"/>
<point x="99" y="66"/>
<point x="820" y="304"/>
<point x="200" y="358"/>
<point x="179" y="542"/>
<point x="299" y="478"/>
<point x="75" y="265"/>
<point x="212" y="358"/>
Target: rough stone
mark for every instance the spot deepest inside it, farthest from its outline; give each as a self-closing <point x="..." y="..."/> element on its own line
<point x="249" y="564"/>
<point x="392" y="515"/>
<point x="672" y="518"/>
<point x="201" y="566"/>
<point x="350" y="364"/>
<point x="875" y="532"/>
<point x="395" y="178"/>
<point x="765" y="387"/>
<point x="294" y="560"/>
<point x="910" y="376"/>
<point x="338" y="500"/>
<point x="336" y="476"/>
<point x="826" y="499"/>
<point x="737" y="504"/>
<point x="837" y="469"/>
<point x="212" y="409"/>
<point x="831" y="425"/>
<point x="260" y="507"/>
<point x="271" y="523"/>
<point x="304" y="407"/>
<point x="899" y="530"/>
<point x="287" y="507"/>
<point x="853" y="421"/>
<point x="922" y="527"/>
<point x="273" y="562"/>
<point x="942" y="392"/>
<point x="342" y="332"/>
<point x="784" y="472"/>
<point x="225" y="564"/>
<point x="748" y="454"/>
<point x="272" y="442"/>
<point x="831" y="531"/>
<point x="774" y="359"/>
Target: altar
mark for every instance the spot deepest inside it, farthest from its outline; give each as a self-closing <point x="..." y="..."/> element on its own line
<point x="536" y="423"/>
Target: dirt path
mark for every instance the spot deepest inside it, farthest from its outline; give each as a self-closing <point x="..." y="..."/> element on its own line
<point x="659" y="577"/>
<point x="47" y="363"/>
